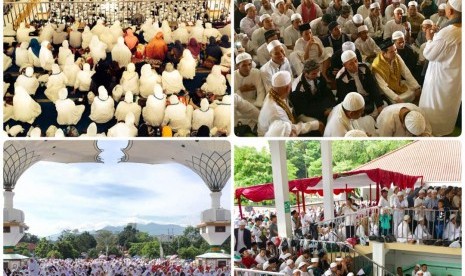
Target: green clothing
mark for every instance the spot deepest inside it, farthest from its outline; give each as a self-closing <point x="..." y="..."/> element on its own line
<point x="385" y="221"/>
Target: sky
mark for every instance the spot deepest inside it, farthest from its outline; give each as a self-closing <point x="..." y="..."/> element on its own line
<point x="90" y="196"/>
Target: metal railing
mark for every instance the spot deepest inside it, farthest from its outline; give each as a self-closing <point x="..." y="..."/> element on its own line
<point x="133" y="12"/>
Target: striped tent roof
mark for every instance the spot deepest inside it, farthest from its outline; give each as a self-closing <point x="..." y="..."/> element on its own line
<point x="439" y="161"/>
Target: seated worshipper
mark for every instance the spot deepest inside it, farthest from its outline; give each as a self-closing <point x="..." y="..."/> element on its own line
<point x="126" y="106"/>
<point x="68" y="112"/>
<point x="292" y="33"/>
<point x="282" y="15"/>
<point x="121" y="53"/>
<point x="157" y="47"/>
<point x="421" y="38"/>
<point x="59" y="35"/>
<point x="92" y="131"/>
<point x="75" y="37"/>
<point x="366" y="45"/>
<point x="187" y="65"/>
<point x="97" y="49"/>
<point x="22" y="33"/>
<point x="347" y="116"/>
<point x="440" y="19"/>
<point x="247" y="81"/>
<point x="181" y="33"/>
<point x="130" y="79"/>
<point x="453" y="229"/>
<point x="64" y="52"/>
<point x="124" y="128"/>
<point x="249" y="23"/>
<point x="103" y="107"/>
<point x="389" y="70"/>
<point x="197" y="32"/>
<point x="320" y="26"/>
<point x="421" y="231"/>
<point x="335" y="38"/>
<point x="355" y="76"/>
<point x="130" y="40"/>
<point x="309" y="11"/>
<point x="402" y="120"/>
<point x="177" y="115"/>
<point x="222" y="117"/>
<point x="278" y="62"/>
<point x="336" y="63"/>
<point x="344" y="17"/>
<point x="258" y="36"/>
<point x="194" y="47"/>
<point x="335" y="8"/>
<point x="374" y="22"/>
<point x="261" y="257"/>
<point x="99" y="27"/>
<point x="288" y="267"/>
<point x="414" y="18"/>
<point x="71" y="69"/>
<point x="215" y="83"/>
<point x="148" y="79"/>
<point x="46" y="56"/>
<point x="364" y="9"/>
<point x="84" y="79"/>
<point x="245" y="117"/>
<point x="397" y="24"/>
<point x="213" y="51"/>
<point x="203" y="115"/>
<point x="276" y="107"/>
<point x="171" y="80"/>
<point x="47" y="31"/>
<point x="116" y="30"/>
<point x="28" y="81"/>
<point x="350" y="28"/>
<point x="86" y="37"/>
<point x="25" y="109"/>
<point x="56" y="81"/>
<point x="311" y="98"/>
<point x="154" y="109"/>
<point x="166" y="29"/>
<point x="404" y="233"/>
<point x="408" y="55"/>
<point x="266" y="7"/>
<point x="390" y="10"/>
<point x="21" y="55"/>
<point x="209" y="31"/>
<point x="263" y="56"/>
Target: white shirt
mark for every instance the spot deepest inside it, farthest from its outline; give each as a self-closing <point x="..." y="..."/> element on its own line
<point x="257" y="96"/>
<point x="451" y="232"/>
<point x="391" y="27"/>
<point x="367" y="47"/>
<point x="248" y="25"/>
<point x="375" y="29"/>
<point x="270" y="68"/>
<point x="290" y="35"/>
<point x="101" y="111"/>
<point x="339" y="124"/>
<point x="389" y="124"/>
<point x="154" y="110"/>
<point x="350" y="215"/>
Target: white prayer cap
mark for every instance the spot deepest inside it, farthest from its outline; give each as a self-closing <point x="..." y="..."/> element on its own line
<point x="276" y="3"/>
<point x="357" y="19"/>
<point x="279" y="128"/>
<point x="131" y="67"/>
<point x="204" y="104"/>
<point x="29" y="71"/>
<point x="226" y="99"/>
<point x="314" y="260"/>
<point x="406" y="217"/>
<point x="63" y="94"/>
<point x="395" y="1"/>
<point x="296" y="16"/>
<point x="243" y="56"/>
<point x="452" y="216"/>
<point x="102" y="93"/>
<point x="427" y="22"/>
<point x="442" y="6"/>
<point x="333" y="265"/>
<point x="348" y="45"/>
<point x="362" y="28"/>
<point x="130" y="118"/>
<point x="398" y="9"/>
<point x="400" y="193"/>
<point x="242" y="222"/>
<point x="339" y="259"/>
<point x="417" y="265"/>
<point x="353" y="102"/>
<point x="266" y="265"/>
<point x="35" y="132"/>
<point x="289" y="262"/>
<point x="281" y="78"/>
<point x="302" y="264"/>
<point x="397" y="35"/>
<point x="412" y="3"/>
<point x="347" y="55"/>
<point x="375" y="5"/>
<point x="86" y="67"/>
<point x="264" y="16"/>
<point x="355" y="133"/>
<point x="415" y="122"/>
<point x="248" y="6"/>
<point x="55" y="69"/>
<point x="128" y="97"/>
<point x="434" y="191"/>
<point x="350" y="274"/>
<point x="173" y="99"/>
<point x="273" y="44"/>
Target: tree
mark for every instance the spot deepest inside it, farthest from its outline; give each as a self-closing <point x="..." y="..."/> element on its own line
<point x="43" y="247"/>
<point x="66" y="249"/>
<point x="54" y="254"/>
<point x="84" y="242"/>
<point x="105" y="240"/>
<point x="189" y="252"/>
<point x="23" y="249"/>
<point x="30" y="238"/>
<point x="151" y="249"/>
<point x="128" y="235"/>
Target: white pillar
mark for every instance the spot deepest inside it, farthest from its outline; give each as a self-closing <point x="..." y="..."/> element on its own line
<point x="281" y="187"/>
<point x="327" y="173"/>
<point x="379" y="256"/>
<point x="8" y="198"/>
<point x="216" y="196"/>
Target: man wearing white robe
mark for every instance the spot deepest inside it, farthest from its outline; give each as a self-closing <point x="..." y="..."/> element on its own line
<point x="70" y="69"/>
<point x="56" y="81"/>
<point x="247" y="81"/>
<point x="154" y="109"/>
<point x="64" y="52"/>
<point x="130" y="79"/>
<point x="292" y="33"/>
<point x="250" y="22"/>
<point x="421" y="231"/>
<point x="392" y="122"/>
<point x="216" y="82"/>
<point x="102" y="108"/>
<point x="25" y="109"/>
<point x="282" y="15"/>
<point x="177" y="116"/>
<point x="400" y="203"/>
<point x="403" y="231"/>
<point x="75" y="37"/>
<point x="84" y="79"/>
<point x="147" y="81"/>
<point x="46" y="56"/>
<point x="121" y="53"/>
<point x="92" y="131"/>
<point x="203" y="115"/>
<point x="278" y="62"/>
<point x="452" y="230"/>
<point x="128" y="105"/>
<point x="171" y="80"/>
<point x="21" y="56"/>
<point x="68" y="112"/>
<point x="22" y="34"/>
<point x="124" y="129"/>
<point x="187" y="65"/>
<point x="222" y="118"/>
<point x="28" y="81"/>
<point x="442" y="92"/>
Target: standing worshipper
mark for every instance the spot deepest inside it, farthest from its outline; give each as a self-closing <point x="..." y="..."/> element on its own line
<point x="242" y="237"/>
<point x="442" y="93"/>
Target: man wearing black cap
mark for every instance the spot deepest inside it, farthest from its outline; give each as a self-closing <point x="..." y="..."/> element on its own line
<point x="335" y="38"/>
<point x="310" y="95"/>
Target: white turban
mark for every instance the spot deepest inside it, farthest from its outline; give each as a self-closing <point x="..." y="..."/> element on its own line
<point x="415" y="123"/>
<point x="243" y="56"/>
<point x="248" y="6"/>
<point x="357" y="19"/>
<point x="353" y="102"/>
<point x="174" y="99"/>
<point x="296" y="16"/>
<point x="273" y="44"/>
<point x="362" y="28"/>
<point x="276" y="3"/>
<point x="281" y="78"/>
<point x="397" y="35"/>
<point x="347" y="55"/>
<point x="29" y="72"/>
